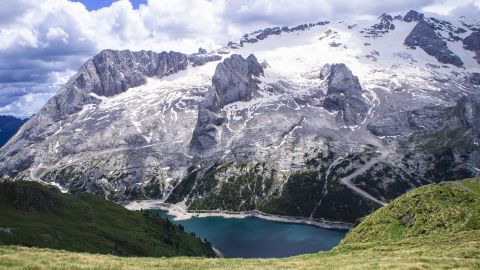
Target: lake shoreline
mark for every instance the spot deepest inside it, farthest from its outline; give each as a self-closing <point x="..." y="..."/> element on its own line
<point x="180" y="213"/>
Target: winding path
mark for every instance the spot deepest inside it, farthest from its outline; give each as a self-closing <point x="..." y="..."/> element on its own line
<point x="384" y="152"/>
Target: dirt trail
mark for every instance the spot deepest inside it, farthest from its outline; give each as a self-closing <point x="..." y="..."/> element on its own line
<point x="367" y="137"/>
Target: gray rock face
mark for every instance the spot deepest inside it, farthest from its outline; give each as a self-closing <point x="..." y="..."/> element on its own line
<point x="429" y="119"/>
<point x="472" y="43"/>
<point x="106" y="74"/>
<point x="468" y="110"/>
<point x="423" y="35"/>
<point x="121" y="70"/>
<point x="265" y="33"/>
<point x="344" y="93"/>
<point x="202" y="59"/>
<point x="205" y="134"/>
<point x="235" y="79"/>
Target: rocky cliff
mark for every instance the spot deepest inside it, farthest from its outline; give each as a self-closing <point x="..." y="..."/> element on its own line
<point x="235" y="79"/>
<point x="344" y="93"/>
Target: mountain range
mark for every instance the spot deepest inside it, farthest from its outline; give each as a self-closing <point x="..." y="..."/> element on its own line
<point x="325" y="120"/>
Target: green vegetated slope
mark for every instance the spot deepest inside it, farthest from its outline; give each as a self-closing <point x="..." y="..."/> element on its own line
<point x="432" y="227"/>
<point x="34" y="215"/>
<point x="439" y="209"/>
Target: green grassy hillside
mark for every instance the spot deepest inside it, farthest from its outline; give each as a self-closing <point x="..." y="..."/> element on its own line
<point x="438" y="209"/>
<point x="34" y="215"/>
<point x="433" y="227"/>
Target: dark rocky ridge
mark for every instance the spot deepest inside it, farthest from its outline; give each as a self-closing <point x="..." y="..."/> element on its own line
<point x="423" y="35"/>
<point x="265" y="33"/>
<point x="344" y="93"/>
<point x="234" y="80"/>
<point x="472" y="43"/>
<point x="475" y="78"/>
<point x="413" y="16"/>
<point x="430" y="119"/>
<point x="120" y="70"/>
<point x="384" y="26"/>
<point x="202" y="57"/>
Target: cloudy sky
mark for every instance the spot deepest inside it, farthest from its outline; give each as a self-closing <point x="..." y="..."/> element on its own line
<point x="42" y="43"/>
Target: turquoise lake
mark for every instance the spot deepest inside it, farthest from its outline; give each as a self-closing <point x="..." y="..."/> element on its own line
<point x="253" y="237"/>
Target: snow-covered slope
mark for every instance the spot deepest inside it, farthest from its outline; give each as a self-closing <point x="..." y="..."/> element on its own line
<point x="395" y="119"/>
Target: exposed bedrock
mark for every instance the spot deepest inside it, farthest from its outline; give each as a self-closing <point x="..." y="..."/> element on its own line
<point x="423" y="35"/>
<point x="472" y="43"/>
<point x="430" y="119"/>
<point x="235" y="79"/>
<point x="344" y="93"/>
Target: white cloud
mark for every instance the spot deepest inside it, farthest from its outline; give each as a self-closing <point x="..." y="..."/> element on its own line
<point x="57" y="33"/>
<point x="26" y="105"/>
<point x="42" y="42"/>
<point x="471" y="10"/>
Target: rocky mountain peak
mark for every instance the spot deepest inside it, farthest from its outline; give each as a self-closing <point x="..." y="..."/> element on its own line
<point x="413" y="16"/>
<point x="344" y="93"/>
<point x="121" y="70"/>
<point x="424" y="36"/>
<point x="234" y="80"/>
<point x="385" y="22"/>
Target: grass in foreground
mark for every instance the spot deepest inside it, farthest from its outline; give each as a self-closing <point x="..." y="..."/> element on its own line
<point x="432" y="227"/>
<point x="456" y="251"/>
<point x="436" y="209"/>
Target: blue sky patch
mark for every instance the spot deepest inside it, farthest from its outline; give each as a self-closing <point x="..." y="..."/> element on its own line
<point x="97" y="4"/>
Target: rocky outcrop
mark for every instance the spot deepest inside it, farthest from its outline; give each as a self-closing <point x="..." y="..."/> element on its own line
<point x="385" y="25"/>
<point x="235" y="79"/>
<point x="468" y="111"/>
<point x="472" y="43"/>
<point x="413" y="16"/>
<point x="428" y="119"/>
<point x="265" y="33"/>
<point x="202" y="59"/>
<point x="120" y="70"/>
<point x="475" y="78"/>
<point x="344" y="93"/>
<point x="423" y="35"/>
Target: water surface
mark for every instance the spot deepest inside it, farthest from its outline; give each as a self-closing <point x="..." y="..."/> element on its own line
<point x="253" y="237"/>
